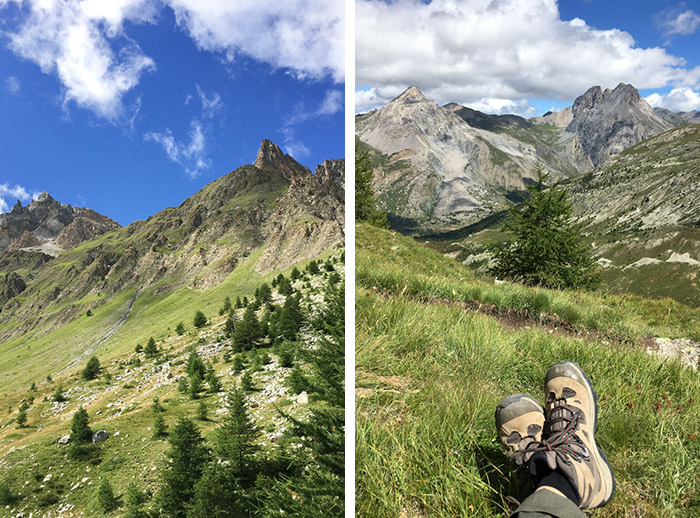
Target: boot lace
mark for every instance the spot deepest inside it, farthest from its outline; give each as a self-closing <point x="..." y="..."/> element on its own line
<point x="563" y="441"/>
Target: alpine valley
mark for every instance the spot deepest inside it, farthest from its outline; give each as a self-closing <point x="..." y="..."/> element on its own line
<point x="74" y="285"/>
<point x="447" y="173"/>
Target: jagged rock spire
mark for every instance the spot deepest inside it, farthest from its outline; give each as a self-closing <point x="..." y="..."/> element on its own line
<point x="270" y="156"/>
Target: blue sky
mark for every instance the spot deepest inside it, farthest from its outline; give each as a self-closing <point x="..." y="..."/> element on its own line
<point x="131" y="106"/>
<point x="526" y="56"/>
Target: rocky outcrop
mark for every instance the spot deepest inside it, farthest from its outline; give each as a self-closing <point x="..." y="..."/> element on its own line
<point x="270" y="156"/>
<point x="308" y="220"/>
<point x="692" y="117"/>
<point x="606" y="122"/>
<point x="11" y="285"/>
<point x="46" y="220"/>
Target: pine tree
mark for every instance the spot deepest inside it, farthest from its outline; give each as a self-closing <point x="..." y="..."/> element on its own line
<point x="138" y="348"/>
<point x="133" y="501"/>
<point x="264" y="293"/>
<point x="58" y="396"/>
<point x="188" y="457"/>
<point x="105" y="497"/>
<point x="92" y="369"/>
<point x="160" y="429"/>
<point x="229" y="327"/>
<point x="227" y="304"/>
<point x="157" y="407"/>
<point x="291" y="319"/>
<point x="238" y="363"/>
<point x="202" y="411"/>
<point x="219" y="494"/>
<point x="195" y="386"/>
<point x="239" y="304"/>
<point x="21" y="418"/>
<point x="199" y="320"/>
<point x="295" y="274"/>
<point x="247" y="382"/>
<point x="546" y="248"/>
<point x="365" y="203"/>
<point x="247" y="332"/>
<point x="195" y="365"/>
<point x="151" y="348"/>
<point x="235" y="439"/>
<point x="80" y="431"/>
<point x="180" y="328"/>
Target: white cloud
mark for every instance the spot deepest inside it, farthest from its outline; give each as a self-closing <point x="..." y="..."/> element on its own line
<point x="192" y="156"/>
<point x="679" y="20"/>
<point x="333" y="102"/>
<point x="367" y="100"/>
<point x="509" y="49"/>
<point x="306" y="37"/>
<point x="13" y="194"/>
<point x="74" y="40"/>
<point x="677" y="100"/>
<point x="12" y="85"/>
<point x="210" y="106"/>
<point x="503" y="106"/>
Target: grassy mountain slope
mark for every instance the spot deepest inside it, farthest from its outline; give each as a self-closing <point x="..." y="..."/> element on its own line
<point x="44" y="481"/>
<point x="437" y="348"/>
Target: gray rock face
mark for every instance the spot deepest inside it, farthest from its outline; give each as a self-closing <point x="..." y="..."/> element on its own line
<point x="47" y="220"/>
<point x="606" y="122"/>
<point x="100" y="436"/>
<point x="691" y="117"/>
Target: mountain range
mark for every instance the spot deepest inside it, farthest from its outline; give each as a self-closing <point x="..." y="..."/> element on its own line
<point x="437" y="167"/>
<point x="58" y="262"/>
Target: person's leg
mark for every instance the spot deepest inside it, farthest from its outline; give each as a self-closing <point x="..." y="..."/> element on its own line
<point x="566" y="466"/>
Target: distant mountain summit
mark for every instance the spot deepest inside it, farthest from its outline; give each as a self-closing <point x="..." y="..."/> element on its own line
<point x="50" y="226"/>
<point x="271" y="157"/>
<point x="443" y="166"/>
<point x="608" y="121"/>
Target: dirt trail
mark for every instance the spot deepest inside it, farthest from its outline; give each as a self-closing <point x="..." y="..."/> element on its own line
<point x="87" y="352"/>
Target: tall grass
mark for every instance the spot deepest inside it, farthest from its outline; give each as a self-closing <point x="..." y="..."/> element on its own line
<point x="429" y="376"/>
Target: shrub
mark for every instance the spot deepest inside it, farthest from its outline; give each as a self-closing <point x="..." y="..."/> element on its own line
<point x="199" y="320"/>
<point x="92" y="369"/>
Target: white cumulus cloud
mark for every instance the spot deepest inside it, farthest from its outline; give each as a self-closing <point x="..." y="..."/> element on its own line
<point x="677" y="100"/>
<point x="191" y="155"/>
<point x="306" y="37"/>
<point x="84" y="45"/>
<point x="13" y="194"/>
<point x="468" y="52"/>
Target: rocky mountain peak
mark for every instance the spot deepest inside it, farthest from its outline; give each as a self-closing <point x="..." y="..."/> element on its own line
<point x="270" y="156"/>
<point x="334" y="170"/>
<point x="608" y="121"/>
<point x="411" y="95"/>
<point x="50" y="225"/>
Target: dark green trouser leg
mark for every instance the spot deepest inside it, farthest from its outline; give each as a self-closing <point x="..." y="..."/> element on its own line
<point x="546" y="504"/>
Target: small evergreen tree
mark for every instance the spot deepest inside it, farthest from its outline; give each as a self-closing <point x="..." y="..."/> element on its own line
<point x="296" y="381"/>
<point x="33" y="387"/>
<point x="133" y="501"/>
<point x="80" y="431"/>
<point x="239" y="304"/>
<point x="151" y="348"/>
<point x="199" y="320"/>
<point x="21" y="418"/>
<point x="229" y="327"/>
<point x="138" y="348"/>
<point x="195" y="385"/>
<point x="182" y="385"/>
<point x="157" y="407"/>
<point x="202" y="411"/>
<point x="195" y="365"/>
<point x="105" y="497"/>
<point x="247" y="381"/>
<point x="159" y="427"/>
<point x="546" y="248"/>
<point x="227" y="304"/>
<point x="238" y="363"/>
<point x="295" y="274"/>
<point x="188" y="457"/>
<point x="180" y="328"/>
<point x="58" y="396"/>
<point x="247" y="332"/>
<point x="312" y="268"/>
<point x="264" y="293"/>
<point x="92" y="369"/>
<point x="235" y="439"/>
<point x="365" y="204"/>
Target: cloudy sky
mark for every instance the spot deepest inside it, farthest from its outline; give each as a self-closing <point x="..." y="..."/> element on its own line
<point x="526" y="56"/>
<point x="130" y="106"/>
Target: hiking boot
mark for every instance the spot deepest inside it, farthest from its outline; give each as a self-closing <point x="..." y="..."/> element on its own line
<point x="519" y="421"/>
<point x="568" y="444"/>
